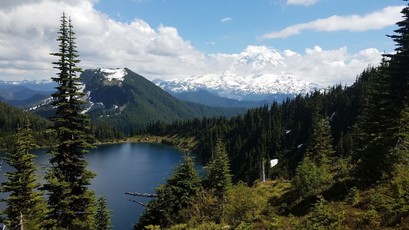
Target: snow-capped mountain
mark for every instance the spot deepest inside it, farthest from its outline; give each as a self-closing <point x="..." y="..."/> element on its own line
<point x="257" y="73"/>
<point x="232" y="85"/>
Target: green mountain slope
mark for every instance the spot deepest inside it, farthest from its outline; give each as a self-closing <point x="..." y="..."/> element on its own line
<point x="129" y="101"/>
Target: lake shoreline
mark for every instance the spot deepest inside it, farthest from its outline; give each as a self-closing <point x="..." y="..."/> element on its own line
<point x="185" y="144"/>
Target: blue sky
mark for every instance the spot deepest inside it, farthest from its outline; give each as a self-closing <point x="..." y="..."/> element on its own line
<point x="321" y="41"/>
<point x="230" y="25"/>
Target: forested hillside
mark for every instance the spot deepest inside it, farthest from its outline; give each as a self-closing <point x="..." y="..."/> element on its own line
<point x="281" y="131"/>
<point x="12" y="118"/>
<point x="343" y="160"/>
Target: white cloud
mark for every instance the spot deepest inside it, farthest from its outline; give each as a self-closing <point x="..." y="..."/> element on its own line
<point x="373" y="21"/>
<point x="28" y="32"/>
<point x="302" y="2"/>
<point x="226" y="19"/>
<point x="325" y="67"/>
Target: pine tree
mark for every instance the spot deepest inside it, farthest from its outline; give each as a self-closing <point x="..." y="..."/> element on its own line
<point x="379" y="128"/>
<point x="70" y="201"/>
<point x="320" y="149"/>
<point x="398" y="69"/>
<point x="102" y="215"/>
<point x="178" y="193"/>
<point x="374" y="133"/>
<point x="218" y="176"/>
<point x="399" y="63"/>
<point x="313" y="174"/>
<point x="25" y="205"/>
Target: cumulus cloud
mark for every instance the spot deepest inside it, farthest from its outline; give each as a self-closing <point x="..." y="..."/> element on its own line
<point x="324" y="67"/>
<point x="302" y="2"/>
<point x="373" y="21"/>
<point x="29" y="29"/>
<point x="28" y="32"/>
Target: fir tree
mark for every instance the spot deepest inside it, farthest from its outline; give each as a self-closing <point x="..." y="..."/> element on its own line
<point x="102" y="215"/>
<point x="379" y="126"/>
<point x="218" y="177"/>
<point x="70" y="201"/>
<point x="179" y="192"/>
<point x="320" y="148"/>
<point x="374" y="133"/>
<point x="25" y="206"/>
<point x="313" y="174"/>
<point x="398" y="69"/>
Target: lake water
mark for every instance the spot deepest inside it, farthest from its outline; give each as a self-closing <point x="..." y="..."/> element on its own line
<point x="120" y="168"/>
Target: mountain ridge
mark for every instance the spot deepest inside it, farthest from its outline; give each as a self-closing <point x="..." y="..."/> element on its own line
<point x="116" y="95"/>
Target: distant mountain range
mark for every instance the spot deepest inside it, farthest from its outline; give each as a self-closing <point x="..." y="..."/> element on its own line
<point x="211" y="99"/>
<point x="25" y="93"/>
<point x="128" y="100"/>
<point x="261" y="87"/>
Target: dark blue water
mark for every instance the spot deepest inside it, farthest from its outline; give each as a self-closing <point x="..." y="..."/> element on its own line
<point x="120" y="168"/>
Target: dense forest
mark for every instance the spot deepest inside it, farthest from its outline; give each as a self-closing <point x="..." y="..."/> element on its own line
<point x="10" y="120"/>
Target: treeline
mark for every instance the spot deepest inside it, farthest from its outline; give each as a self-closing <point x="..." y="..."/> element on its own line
<point x="280" y="131"/>
<point x="12" y="118"/>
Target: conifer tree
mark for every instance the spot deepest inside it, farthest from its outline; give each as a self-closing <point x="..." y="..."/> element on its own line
<point x="399" y="63"/>
<point x="313" y="174"/>
<point x="379" y="128"/>
<point x="398" y="69"/>
<point x="320" y="149"/>
<point x="374" y="134"/>
<point x="25" y="205"/>
<point x="102" y="215"/>
<point x="178" y="193"/>
<point x="218" y="176"/>
<point x="70" y="201"/>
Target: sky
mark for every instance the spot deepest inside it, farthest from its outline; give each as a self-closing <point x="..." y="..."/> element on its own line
<point x="322" y="41"/>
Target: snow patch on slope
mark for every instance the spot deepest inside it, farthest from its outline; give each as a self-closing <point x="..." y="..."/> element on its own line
<point x="111" y="74"/>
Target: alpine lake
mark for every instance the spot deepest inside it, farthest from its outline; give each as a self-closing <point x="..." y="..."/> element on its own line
<point x="120" y="168"/>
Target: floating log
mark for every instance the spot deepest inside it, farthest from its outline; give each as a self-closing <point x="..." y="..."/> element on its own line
<point x="135" y="201"/>
<point x="141" y="194"/>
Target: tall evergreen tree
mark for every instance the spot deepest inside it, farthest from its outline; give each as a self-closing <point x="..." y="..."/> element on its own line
<point x="374" y="135"/>
<point x="218" y="177"/>
<point x="70" y="201"/>
<point x="320" y="149"/>
<point x="178" y="193"/>
<point x="25" y="205"/>
<point x="398" y="69"/>
<point x="379" y="128"/>
<point x="399" y="63"/>
<point x="102" y="215"/>
<point x="313" y="174"/>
